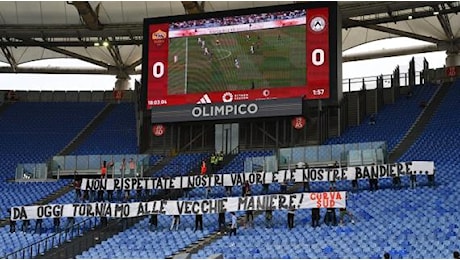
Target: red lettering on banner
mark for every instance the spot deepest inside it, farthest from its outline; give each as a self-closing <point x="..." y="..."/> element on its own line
<point x="317" y="50"/>
<point x="325" y="199"/>
<point x="157" y="75"/>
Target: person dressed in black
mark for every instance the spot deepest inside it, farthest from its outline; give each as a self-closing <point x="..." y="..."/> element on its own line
<point x="456" y="255"/>
<point x="290" y="218"/>
<point x="265" y="188"/>
<point x="25" y="225"/>
<point x="153" y="222"/>
<point x="306" y="184"/>
<point x="269" y="218"/>
<point x="12" y="223"/>
<point x="57" y="224"/>
<point x="413" y="180"/>
<point x="228" y="191"/>
<point x="198" y="222"/>
<point x="330" y="217"/>
<point x="386" y="255"/>
<point x="315" y="217"/>
<point x="249" y="218"/>
<point x="246" y="189"/>
<point x="283" y="187"/>
<point x="431" y="179"/>
<point x="396" y="181"/>
<point x="38" y="226"/>
<point x="70" y="223"/>
<point x="104" y="221"/>
<point x="222" y="222"/>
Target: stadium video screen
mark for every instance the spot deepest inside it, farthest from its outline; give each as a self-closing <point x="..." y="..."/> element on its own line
<point x="222" y="58"/>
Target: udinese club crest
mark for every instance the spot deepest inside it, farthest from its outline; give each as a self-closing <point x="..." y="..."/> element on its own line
<point x="317" y="24"/>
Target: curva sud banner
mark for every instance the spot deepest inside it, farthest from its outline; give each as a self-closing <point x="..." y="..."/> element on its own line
<point x="237" y="179"/>
<point x="207" y="110"/>
<point x="182" y="207"/>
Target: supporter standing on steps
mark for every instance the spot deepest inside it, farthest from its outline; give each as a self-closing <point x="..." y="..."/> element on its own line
<point x="234" y="224"/>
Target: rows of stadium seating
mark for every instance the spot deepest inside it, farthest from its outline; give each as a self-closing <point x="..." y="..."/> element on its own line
<point x="19" y="239"/>
<point x="182" y="164"/>
<point x="407" y="223"/>
<point x="32" y="133"/>
<point x="115" y="135"/>
<point x="404" y="111"/>
<point x="139" y="232"/>
<point x="37" y="131"/>
<point x="417" y="209"/>
<point x="237" y="164"/>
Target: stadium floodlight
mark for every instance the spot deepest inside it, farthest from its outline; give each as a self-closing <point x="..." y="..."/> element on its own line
<point x="409" y="17"/>
<point x="97" y="44"/>
<point x="435" y="13"/>
<point x="105" y="43"/>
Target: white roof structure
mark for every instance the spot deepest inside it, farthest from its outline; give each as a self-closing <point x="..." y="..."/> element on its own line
<point x="36" y="30"/>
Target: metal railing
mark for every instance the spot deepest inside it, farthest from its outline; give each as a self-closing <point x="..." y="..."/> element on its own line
<point x="53" y="241"/>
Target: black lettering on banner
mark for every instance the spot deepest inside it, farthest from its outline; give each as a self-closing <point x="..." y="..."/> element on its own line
<point x="344" y="174"/>
<point x="408" y="168"/>
<point x="399" y="169"/>
<point x="222" y="205"/>
<point x="242" y="201"/>
<point x="142" y="209"/>
<point x="320" y="175"/>
<point x="19" y="213"/>
<point x="75" y="209"/>
<point x="250" y="203"/>
<point x="126" y="184"/>
<point x="188" y="206"/>
<point x="196" y="207"/>
<point x="300" y="200"/>
<point x="383" y="171"/>
<point x="292" y="201"/>
<point x="204" y="207"/>
<point x="336" y="174"/>
<point x="305" y="175"/>
<point x="366" y="172"/>
<point x="262" y="203"/>
<point x="237" y="179"/>
<point x="48" y="211"/>
<point x="218" y="179"/>
<point x="119" y="210"/>
<point x="358" y="173"/>
<point x="275" y="177"/>
<point x="282" y="202"/>
<point x="170" y="183"/>
<point x="116" y="184"/>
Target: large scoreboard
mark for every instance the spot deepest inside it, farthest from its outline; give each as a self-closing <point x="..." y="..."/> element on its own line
<point x="256" y="62"/>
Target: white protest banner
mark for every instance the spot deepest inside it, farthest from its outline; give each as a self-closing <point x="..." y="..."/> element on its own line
<point x="183" y="207"/>
<point x="238" y="179"/>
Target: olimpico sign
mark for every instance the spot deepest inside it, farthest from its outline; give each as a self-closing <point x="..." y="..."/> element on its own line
<point x="224" y="110"/>
<point x="204" y="109"/>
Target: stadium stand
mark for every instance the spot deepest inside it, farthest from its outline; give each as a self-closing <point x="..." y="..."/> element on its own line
<point x="404" y="111"/>
<point x="115" y="135"/>
<point x="421" y="223"/>
<point x="32" y="133"/>
<point x="182" y="164"/>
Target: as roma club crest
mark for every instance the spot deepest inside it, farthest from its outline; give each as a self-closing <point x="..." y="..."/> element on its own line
<point x="159" y="37"/>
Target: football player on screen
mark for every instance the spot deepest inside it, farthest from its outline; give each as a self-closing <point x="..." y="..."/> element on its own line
<point x="251" y="49"/>
<point x="237" y="63"/>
